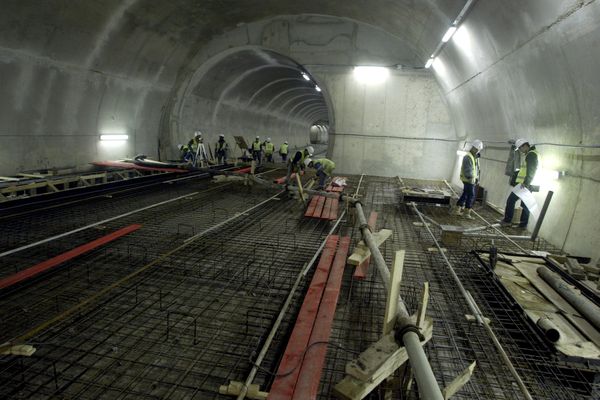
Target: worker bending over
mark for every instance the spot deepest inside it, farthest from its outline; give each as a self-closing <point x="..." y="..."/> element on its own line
<point x="296" y="163"/>
<point x="524" y="176"/>
<point x="324" y="169"/>
<point x="269" y="150"/>
<point x="185" y="153"/>
<point x="469" y="175"/>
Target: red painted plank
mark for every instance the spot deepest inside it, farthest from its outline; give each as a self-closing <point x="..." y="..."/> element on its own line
<point x="61" y="258"/>
<point x="245" y="170"/>
<point x="319" y="207"/>
<point x="360" y="272"/>
<point x="311" y="207"/>
<point x="334" y="209"/>
<point x="314" y="359"/>
<point x="281" y="181"/>
<point x="126" y="165"/>
<point x="283" y="385"/>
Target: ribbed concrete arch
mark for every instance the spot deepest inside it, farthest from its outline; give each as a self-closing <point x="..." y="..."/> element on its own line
<point x="285" y="82"/>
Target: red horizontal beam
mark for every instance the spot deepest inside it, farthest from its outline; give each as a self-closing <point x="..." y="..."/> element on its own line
<point x="30" y="272"/>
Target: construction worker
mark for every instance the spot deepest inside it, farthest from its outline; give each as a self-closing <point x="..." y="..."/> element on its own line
<point x="530" y="159"/>
<point x="221" y="149"/>
<point x="269" y="150"/>
<point x="196" y="146"/>
<point x="469" y="175"/>
<point x="296" y="163"/>
<point x="324" y="169"/>
<point x="283" y="151"/>
<point x="256" y="148"/>
<point x="185" y="153"/>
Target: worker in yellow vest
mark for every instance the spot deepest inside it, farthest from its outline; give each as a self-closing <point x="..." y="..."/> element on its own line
<point x="324" y="169"/>
<point x="530" y="160"/>
<point x="269" y="150"/>
<point x="221" y="149"/>
<point x="469" y="175"/>
<point x="283" y="151"/>
<point x="256" y="148"/>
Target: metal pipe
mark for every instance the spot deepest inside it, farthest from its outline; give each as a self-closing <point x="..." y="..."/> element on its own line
<point x="428" y="386"/>
<point x="494" y="236"/>
<point x="538" y="224"/>
<point x="581" y="303"/>
<point x="286" y="304"/>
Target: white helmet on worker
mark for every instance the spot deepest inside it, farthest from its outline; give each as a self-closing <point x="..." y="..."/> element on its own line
<point x="221" y="135"/>
<point x="285" y="142"/>
<point x="307" y="162"/>
<point x="520" y="142"/>
<point x="268" y="139"/>
<point x="310" y="150"/>
<point x="478" y="144"/>
<point x="197" y="133"/>
<point x="258" y="137"/>
<point x="180" y="146"/>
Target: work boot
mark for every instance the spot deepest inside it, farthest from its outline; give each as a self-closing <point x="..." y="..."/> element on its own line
<point x="504" y="223"/>
<point x="467" y="214"/>
<point x="460" y="210"/>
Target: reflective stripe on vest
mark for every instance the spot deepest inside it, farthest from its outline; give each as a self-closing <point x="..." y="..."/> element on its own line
<point x="523" y="171"/>
<point x="328" y="165"/>
<point x="474" y="163"/>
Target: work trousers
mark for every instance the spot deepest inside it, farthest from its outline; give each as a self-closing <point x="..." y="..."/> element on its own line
<point x="284" y="157"/>
<point x="322" y="177"/>
<point x="221" y="156"/>
<point x="468" y="196"/>
<point x="256" y="155"/>
<point x="269" y="157"/>
<point x="509" y="211"/>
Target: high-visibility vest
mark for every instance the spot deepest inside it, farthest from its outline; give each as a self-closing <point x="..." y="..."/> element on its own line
<point x="221" y="145"/>
<point x="327" y="164"/>
<point x="475" y="164"/>
<point x="283" y="149"/>
<point x="523" y="171"/>
<point x="256" y="146"/>
<point x="269" y="148"/>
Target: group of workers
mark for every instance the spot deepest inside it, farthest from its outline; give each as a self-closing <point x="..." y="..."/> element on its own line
<point x="194" y="151"/>
<point x="523" y="176"/>
<point x="258" y="148"/>
<point x="302" y="159"/>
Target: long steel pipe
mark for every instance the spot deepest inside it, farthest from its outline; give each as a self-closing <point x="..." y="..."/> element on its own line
<point x="428" y="386"/>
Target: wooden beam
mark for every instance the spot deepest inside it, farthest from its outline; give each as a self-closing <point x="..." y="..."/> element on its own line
<point x="362" y="252"/>
<point x="423" y="305"/>
<point x="459" y="381"/>
<point x="391" y="305"/>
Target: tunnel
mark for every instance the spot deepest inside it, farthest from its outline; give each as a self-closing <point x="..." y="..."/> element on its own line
<point x="175" y="175"/>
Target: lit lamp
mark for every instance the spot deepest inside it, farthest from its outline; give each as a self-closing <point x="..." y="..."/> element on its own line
<point x="113" y="137"/>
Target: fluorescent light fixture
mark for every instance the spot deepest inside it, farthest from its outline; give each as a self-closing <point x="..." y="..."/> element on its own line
<point x="449" y="34"/>
<point x="113" y="138"/>
<point x="429" y="62"/>
<point x="371" y="74"/>
<point x="305" y="76"/>
<point x="317" y="88"/>
<point x="545" y="177"/>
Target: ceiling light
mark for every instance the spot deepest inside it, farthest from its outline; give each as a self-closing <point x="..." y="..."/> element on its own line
<point x="305" y="76"/>
<point x="317" y="88"/>
<point x="110" y="137"/>
<point x="371" y="74"/>
<point x="429" y="62"/>
<point x="449" y="34"/>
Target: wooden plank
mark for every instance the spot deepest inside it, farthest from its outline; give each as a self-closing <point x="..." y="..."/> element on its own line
<point x="310" y="210"/>
<point x="391" y="305"/>
<point x="319" y="207"/>
<point x="333" y="214"/>
<point x="361" y="251"/>
<point x="374" y="365"/>
<point x="288" y="371"/>
<point x="459" y="381"/>
<point x="326" y="208"/>
<point x="361" y="270"/>
<point x="314" y="360"/>
<point x="423" y="306"/>
<point x="30" y="272"/>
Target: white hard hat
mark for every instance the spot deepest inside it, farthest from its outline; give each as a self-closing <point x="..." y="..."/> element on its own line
<point x="268" y="139"/>
<point x="307" y="161"/>
<point x="478" y="144"/>
<point x="310" y="150"/>
<point x="285" y="142"/>
<point x="520" y="142"/>
<point x="258" y="137"/>
<point x="197" y="133"/>
<point x="180" y="146"/>
<point x="221" y="135"/>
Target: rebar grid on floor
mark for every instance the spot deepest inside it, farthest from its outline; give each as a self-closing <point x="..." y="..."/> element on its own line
<point x="196" y="319"/>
